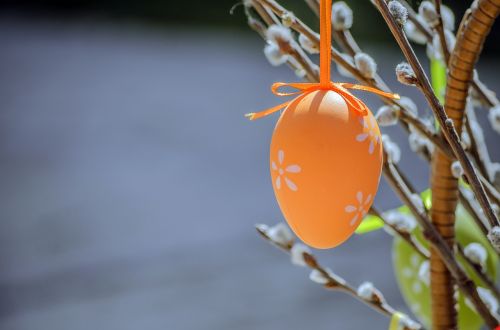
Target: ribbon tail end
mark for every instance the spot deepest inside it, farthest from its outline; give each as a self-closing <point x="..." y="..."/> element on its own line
<point x="250" y="116"/>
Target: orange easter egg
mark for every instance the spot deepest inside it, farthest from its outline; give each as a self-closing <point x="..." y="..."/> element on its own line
<point x="326" y="160"/>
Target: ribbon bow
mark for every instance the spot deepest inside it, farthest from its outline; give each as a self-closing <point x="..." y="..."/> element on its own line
<point x="324" y="83"/>
<point x="306" y="88"/>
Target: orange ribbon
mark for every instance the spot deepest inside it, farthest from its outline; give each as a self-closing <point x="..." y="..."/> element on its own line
<point x="306" y="88"/>
<point x="324" y="83"/>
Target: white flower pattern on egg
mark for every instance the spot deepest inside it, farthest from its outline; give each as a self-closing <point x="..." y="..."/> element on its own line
<point x="360" y="209"/>
<point x="282" y="170"/>
<point x="369" y="133"/>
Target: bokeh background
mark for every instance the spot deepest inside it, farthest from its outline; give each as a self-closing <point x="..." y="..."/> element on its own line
<point x="130" y="180"/>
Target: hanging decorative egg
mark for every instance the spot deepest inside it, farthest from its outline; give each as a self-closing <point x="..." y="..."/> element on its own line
<point x="326" y="160"/>
<point x="326" y="153"/>
<point x="412" y="275"/>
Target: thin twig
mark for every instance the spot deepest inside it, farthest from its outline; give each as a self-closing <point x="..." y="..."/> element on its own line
<point x="473" y="212"/>
<point x="480" y="272"/>
<point x="440" y="30"/>
<point x="407" y="237"/>
<point x="335" y="282"/>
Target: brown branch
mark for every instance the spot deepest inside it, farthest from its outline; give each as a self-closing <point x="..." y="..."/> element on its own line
<point x="314" y="5"/>
<point x="447" y="125"/>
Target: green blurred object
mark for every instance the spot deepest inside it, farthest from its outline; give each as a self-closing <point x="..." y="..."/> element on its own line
<point x="416" y="292"/>
<point x="438" y="79"/>
<point x="369" y="224"/>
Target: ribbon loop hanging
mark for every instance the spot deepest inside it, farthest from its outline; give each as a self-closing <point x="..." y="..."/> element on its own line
<point x="325" y="82"/>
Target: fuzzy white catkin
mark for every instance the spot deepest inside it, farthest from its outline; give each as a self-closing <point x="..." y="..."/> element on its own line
<point x="342" y="16"/>
<point x="448" y="18"/>
<point x="417" y="200"/>
<point x="465" y="140"/>
<point x="456" y="169"/>
<point x="424" y="272"/>
<point x="318" y="277"/>
<point x="308" y="45"/>
<point x="405" y="74"/>
<point x="494" y="237"/>
<point x="366" y="65"/>
<point x="392" y="149"/>
<point x="301" y="73"/>
<point x="403" y="222"/>
<point x="495" y="208"/>
<point x="417" y="143"/>
<point x="476" y="253"/>
<point x="406" y="323"/>
<point x="297" y="254"/>
<point x="494" y="118"/>
<point x="387" y="115"/>
<point x="278" y="34"/>
<point x="413" y="33"/>
<point x="262" y="227"/>
<point x="427" y="11"/>
<point x="409" y="105"/>
<point x="343" y="71"/>
<point x="488" y="298"/>
<point x="287" y="19"/>
<point x="495" y="174"/>
<point x="434" y="49"/>
<point x="280" y="233"/>
<point x="366" y="291"/>
<point x="398" y="11"/>
<point x="274" y="54"/>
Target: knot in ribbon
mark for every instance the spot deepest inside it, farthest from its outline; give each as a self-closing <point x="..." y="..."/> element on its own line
<point x="303" y="89"/>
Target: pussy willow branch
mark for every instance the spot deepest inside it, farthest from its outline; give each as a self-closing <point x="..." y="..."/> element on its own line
<point x="261" y="29"/>
<point x="446" y="123"/>
<point x="292" y="48"/>
<point x="338" y="283"/>
<point x="407" y="237"/>
<point x="480" y="272"/>
<point x="484" y="93"/>
<point x="465" y="284"/>
<point x="476" y="153"/>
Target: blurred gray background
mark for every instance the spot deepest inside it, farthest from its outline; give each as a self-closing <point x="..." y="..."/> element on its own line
<point x="130" y="180"/>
